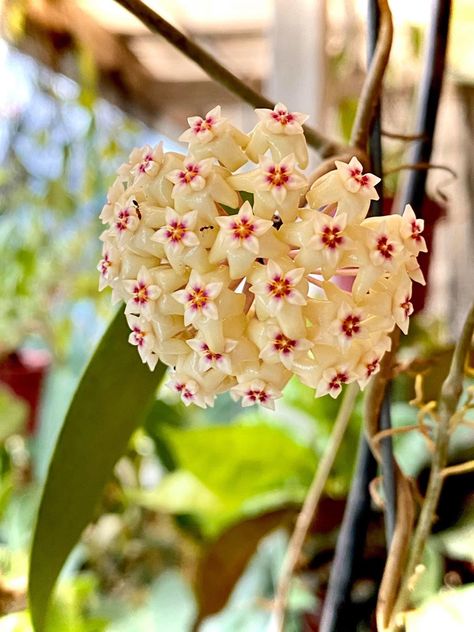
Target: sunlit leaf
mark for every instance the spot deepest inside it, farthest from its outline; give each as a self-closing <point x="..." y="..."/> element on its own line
<point x="251" y="468"/>
<point x="111" y="400"/>
<point x="448" y="610"/>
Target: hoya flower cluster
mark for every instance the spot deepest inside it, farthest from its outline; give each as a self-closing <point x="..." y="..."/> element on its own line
<point x="233" y="273"/>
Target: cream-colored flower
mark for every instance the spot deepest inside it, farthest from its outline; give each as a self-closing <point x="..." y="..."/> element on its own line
<point x="280" y="131"/>
<point x="255" y="392"/>
<point x="213" y="136"/>
<point x="143" y="292"/>
<point x="347" y="187"/>
<point x="198" y="299"/>
<point x="239" y="297"/>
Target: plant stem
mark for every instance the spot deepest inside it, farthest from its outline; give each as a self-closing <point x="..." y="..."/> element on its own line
<point x="373" y="86"/>
<point x="450" y="394"/>
<point x="218" y="72"/>
<point x="311" y="502"/>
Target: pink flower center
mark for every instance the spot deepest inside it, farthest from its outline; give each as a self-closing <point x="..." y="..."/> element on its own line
<point x="242" y="228"/>
<point x="139" y="336"/>
<point x="371" y="367"/>
<point x="105" y="264"/>
<point x="187" y="394"/>
<point x="407" y="307"/>
<point x="277" y="175"/>
<point x="337" y="380"/>
<point x="284" y="345"/>
<point x="350" y="325"/>
<point x="415" y="231"/>
<point x="197" y="298"/>
<point x="257" y="395"/>
<point x="190" y="171"/>
<point x="123" y="219"/>
<point x="331" y="237"/>
<point x="282" y="117"/>
<point x="384" y="247"/>
<point x="140" y="293"/>
<point x="175" y="231"/>
<point x="279" y="287"/>
<point x="145" y="164"/>
<point x="358" y="176"/>
<point x="210" y="355"/>
<point x="203" y="125"/>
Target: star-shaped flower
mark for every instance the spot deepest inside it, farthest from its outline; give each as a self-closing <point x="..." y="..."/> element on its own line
<point x="177" y="234"/>
<point x="280" y="120"/>
<point x="281" y="348"/>
<point x="109" y="265"/>
<point x="244" y="229"/>
<point x="192" y="177"/>
<point x="279" y="177"/>
<point x="256" y="392"/>
<point x="143" y="291"/>
<point x="281" y="132"/>
<point x="410" y="231"/>
<point x="198" y="299"/>
<point x="143" y="337"/>
<point x="203" y="130"/>
<point x="209" y="359"/>
<point x="280" y="287"/>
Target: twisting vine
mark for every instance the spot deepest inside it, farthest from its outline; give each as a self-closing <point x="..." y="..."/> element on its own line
<point x="448" y="402"/>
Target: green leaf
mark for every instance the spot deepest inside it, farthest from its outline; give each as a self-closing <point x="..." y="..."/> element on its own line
<point x="250" y="468"/>
<point x="448" y="610"/>
<point x="112" y="398"/>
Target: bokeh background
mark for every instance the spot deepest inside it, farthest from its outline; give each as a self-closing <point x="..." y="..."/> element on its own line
<point x="193" y="525"/>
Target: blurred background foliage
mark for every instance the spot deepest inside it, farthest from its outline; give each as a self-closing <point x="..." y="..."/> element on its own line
<point x="192" y="528"/>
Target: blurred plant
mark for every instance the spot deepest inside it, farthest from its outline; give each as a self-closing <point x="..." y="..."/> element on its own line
<point x="59" y="144"/>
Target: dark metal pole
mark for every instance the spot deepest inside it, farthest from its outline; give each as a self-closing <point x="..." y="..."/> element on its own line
<point x="336" y="615"/>
<point x="385" y="422"/>
<point x="428" y="101"/>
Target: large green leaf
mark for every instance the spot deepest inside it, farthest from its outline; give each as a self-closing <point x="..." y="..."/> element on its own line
<point x="112" y="398"/>
<point x="245" y="468"/>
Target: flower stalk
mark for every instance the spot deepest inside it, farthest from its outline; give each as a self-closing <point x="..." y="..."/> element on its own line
<point x="448" y="402"/>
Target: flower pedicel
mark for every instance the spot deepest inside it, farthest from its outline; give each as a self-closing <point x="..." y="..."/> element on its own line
<point x="231" y="279"/>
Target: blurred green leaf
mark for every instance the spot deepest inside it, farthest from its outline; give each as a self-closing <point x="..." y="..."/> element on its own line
<point x="159" y="416"/>
<point x="431" y="579"/>
<point x="450" y="610"/>
<point x="347" y="112"/>
<point x="111" y="400"/>
<point x="170" y="607"/>
<point x="13" y="413"/>
<point x="179" y="492"/>
<point x="249" y="467"/>
<point x="458" y="542"/>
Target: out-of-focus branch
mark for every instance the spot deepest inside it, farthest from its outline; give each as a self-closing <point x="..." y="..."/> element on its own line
<point x="311" y="502"/>
<point x="369" y="98"/>
<point x="405" y="507"/>
<point x="325" y="146"/>
<point x="372" y="87"/>
<point x="450" y="394"/>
